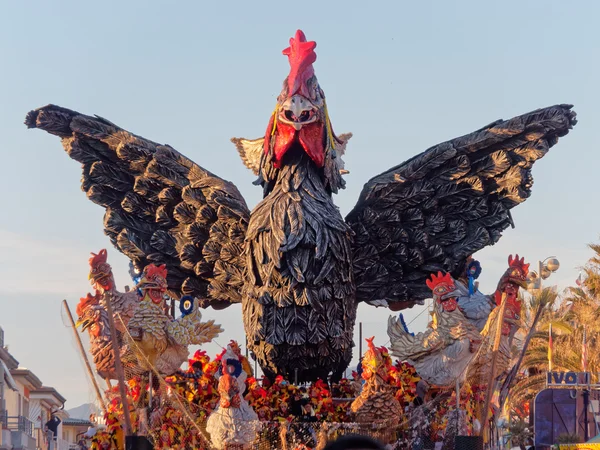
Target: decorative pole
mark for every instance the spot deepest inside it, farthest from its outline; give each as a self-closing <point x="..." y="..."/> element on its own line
<point x="515" y="370"/>
<point x="586" y="392"/>
<point x="360" y="340"/>
<point x="491" y="384"/>
<point x="85" y="358"/>
<point x="118" y="366"/>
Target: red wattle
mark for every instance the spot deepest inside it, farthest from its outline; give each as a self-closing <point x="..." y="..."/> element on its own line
<point x="284" y="137"/>
<point x="311" y="139"/>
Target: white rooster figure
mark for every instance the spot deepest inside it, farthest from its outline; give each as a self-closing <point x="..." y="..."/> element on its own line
<point x="441" y="353"/>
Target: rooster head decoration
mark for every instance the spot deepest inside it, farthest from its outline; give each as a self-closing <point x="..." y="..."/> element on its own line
<point x="517" y="272"/>
<point x="100" y="275"/>
<point x="514" y="278"/>
<point x="444" y="291"/>
<point x="235" y="347"/>
<point x="374" y="361"/>
<point x="88" y="314"/>
<point x="153" y="282"/>
<point x="299" y="123"/>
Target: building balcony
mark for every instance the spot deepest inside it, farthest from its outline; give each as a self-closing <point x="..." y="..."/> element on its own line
<point x="18" y="433"/>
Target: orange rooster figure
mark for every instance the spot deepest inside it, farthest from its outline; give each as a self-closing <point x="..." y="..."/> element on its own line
<point x="160" y="340"/>
<point x="514" y="278"/>
<point x="93" y="317"/>
<point x="376" y="403"/>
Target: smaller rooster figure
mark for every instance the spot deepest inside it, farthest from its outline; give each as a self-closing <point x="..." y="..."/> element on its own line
<point x="443" y="351"/>
<point x="93" y="317"/>
<point x="162" y="340"/>
<point x="514" y="278"/>
<point x="377" y="401"/>
<point x="233" y="424"/>
<point x="101" y="277"/>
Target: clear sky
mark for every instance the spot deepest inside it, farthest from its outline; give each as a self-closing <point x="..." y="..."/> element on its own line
<point x="401" y="76"/>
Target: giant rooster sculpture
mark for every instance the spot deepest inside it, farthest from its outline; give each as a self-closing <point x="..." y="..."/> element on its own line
<point x="298" y="268"/>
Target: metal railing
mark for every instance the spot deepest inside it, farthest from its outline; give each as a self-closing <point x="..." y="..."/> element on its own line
<point x="20" y="423"/>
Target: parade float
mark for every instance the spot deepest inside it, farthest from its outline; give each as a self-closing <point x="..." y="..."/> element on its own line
<point x="299" y="271"/>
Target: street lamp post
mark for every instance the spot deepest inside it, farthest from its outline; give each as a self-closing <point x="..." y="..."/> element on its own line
<point x="534" y="285"/>
<point x="545" y="268"/>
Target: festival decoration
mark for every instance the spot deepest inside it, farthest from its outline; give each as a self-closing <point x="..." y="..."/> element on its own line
<point x="235" y="347"/>
<point x="93" y="317"/>
<point x="101" y="278"/>
<point x="472" y="273"/>
<point x="514" y="277"/>
<point x="162" y="340"/>
<point x="233" y="423"/>
<point x="377" y="402"/>
<point x="298" y="268"/>
<point x="442" y="353"/>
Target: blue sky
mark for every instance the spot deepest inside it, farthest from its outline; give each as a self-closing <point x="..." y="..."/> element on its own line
<point x="401" y="76"/>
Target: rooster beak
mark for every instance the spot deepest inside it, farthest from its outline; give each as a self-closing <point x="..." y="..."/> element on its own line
<point x="83" y="323"/>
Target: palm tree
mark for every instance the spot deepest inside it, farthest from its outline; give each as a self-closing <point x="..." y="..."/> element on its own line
<point x="570" y="315"/>
<point x="535" y="361"/>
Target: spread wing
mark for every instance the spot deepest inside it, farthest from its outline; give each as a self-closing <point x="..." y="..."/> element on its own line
<point x="433" y="211"/>
<point x="161" y="207"/>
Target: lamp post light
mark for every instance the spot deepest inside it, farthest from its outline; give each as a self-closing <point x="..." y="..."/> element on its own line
<point x="545" y="268"/>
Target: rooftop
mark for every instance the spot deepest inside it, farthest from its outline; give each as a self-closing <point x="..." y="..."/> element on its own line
<point x="46" y="391"/>
<point x="8" y="359"/>
<point x="27" y="375"/>
<point x="73" y="421"/>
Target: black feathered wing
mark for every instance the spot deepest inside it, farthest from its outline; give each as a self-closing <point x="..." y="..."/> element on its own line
<point x="160" y="206"/>
<point x="432" y="212"/>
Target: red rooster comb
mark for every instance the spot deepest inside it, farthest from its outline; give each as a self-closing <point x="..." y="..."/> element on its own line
<point x="84" y="302"/>
<point x="301" y="55"/>
<point x="370" y="343"/>
<point x="519" y="263"/>
<point x="99" y="258"/>
<point x="153" y="270"/>
<point x="439" y="279"/>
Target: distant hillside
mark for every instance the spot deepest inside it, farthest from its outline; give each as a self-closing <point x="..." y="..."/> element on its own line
<point x="83" y="411"/>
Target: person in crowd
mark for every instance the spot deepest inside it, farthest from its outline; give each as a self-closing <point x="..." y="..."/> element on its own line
<point x="354" y="443"/>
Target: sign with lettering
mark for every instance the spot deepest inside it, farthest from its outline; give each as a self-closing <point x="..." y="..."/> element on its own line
<point x="568" y="379"/>
<point x="579" y="446"/>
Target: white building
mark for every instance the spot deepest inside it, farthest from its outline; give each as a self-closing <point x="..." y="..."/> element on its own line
<point x="25" y="407"/>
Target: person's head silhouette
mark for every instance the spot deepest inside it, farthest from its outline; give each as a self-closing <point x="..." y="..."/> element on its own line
<point x="353" y="442"/>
